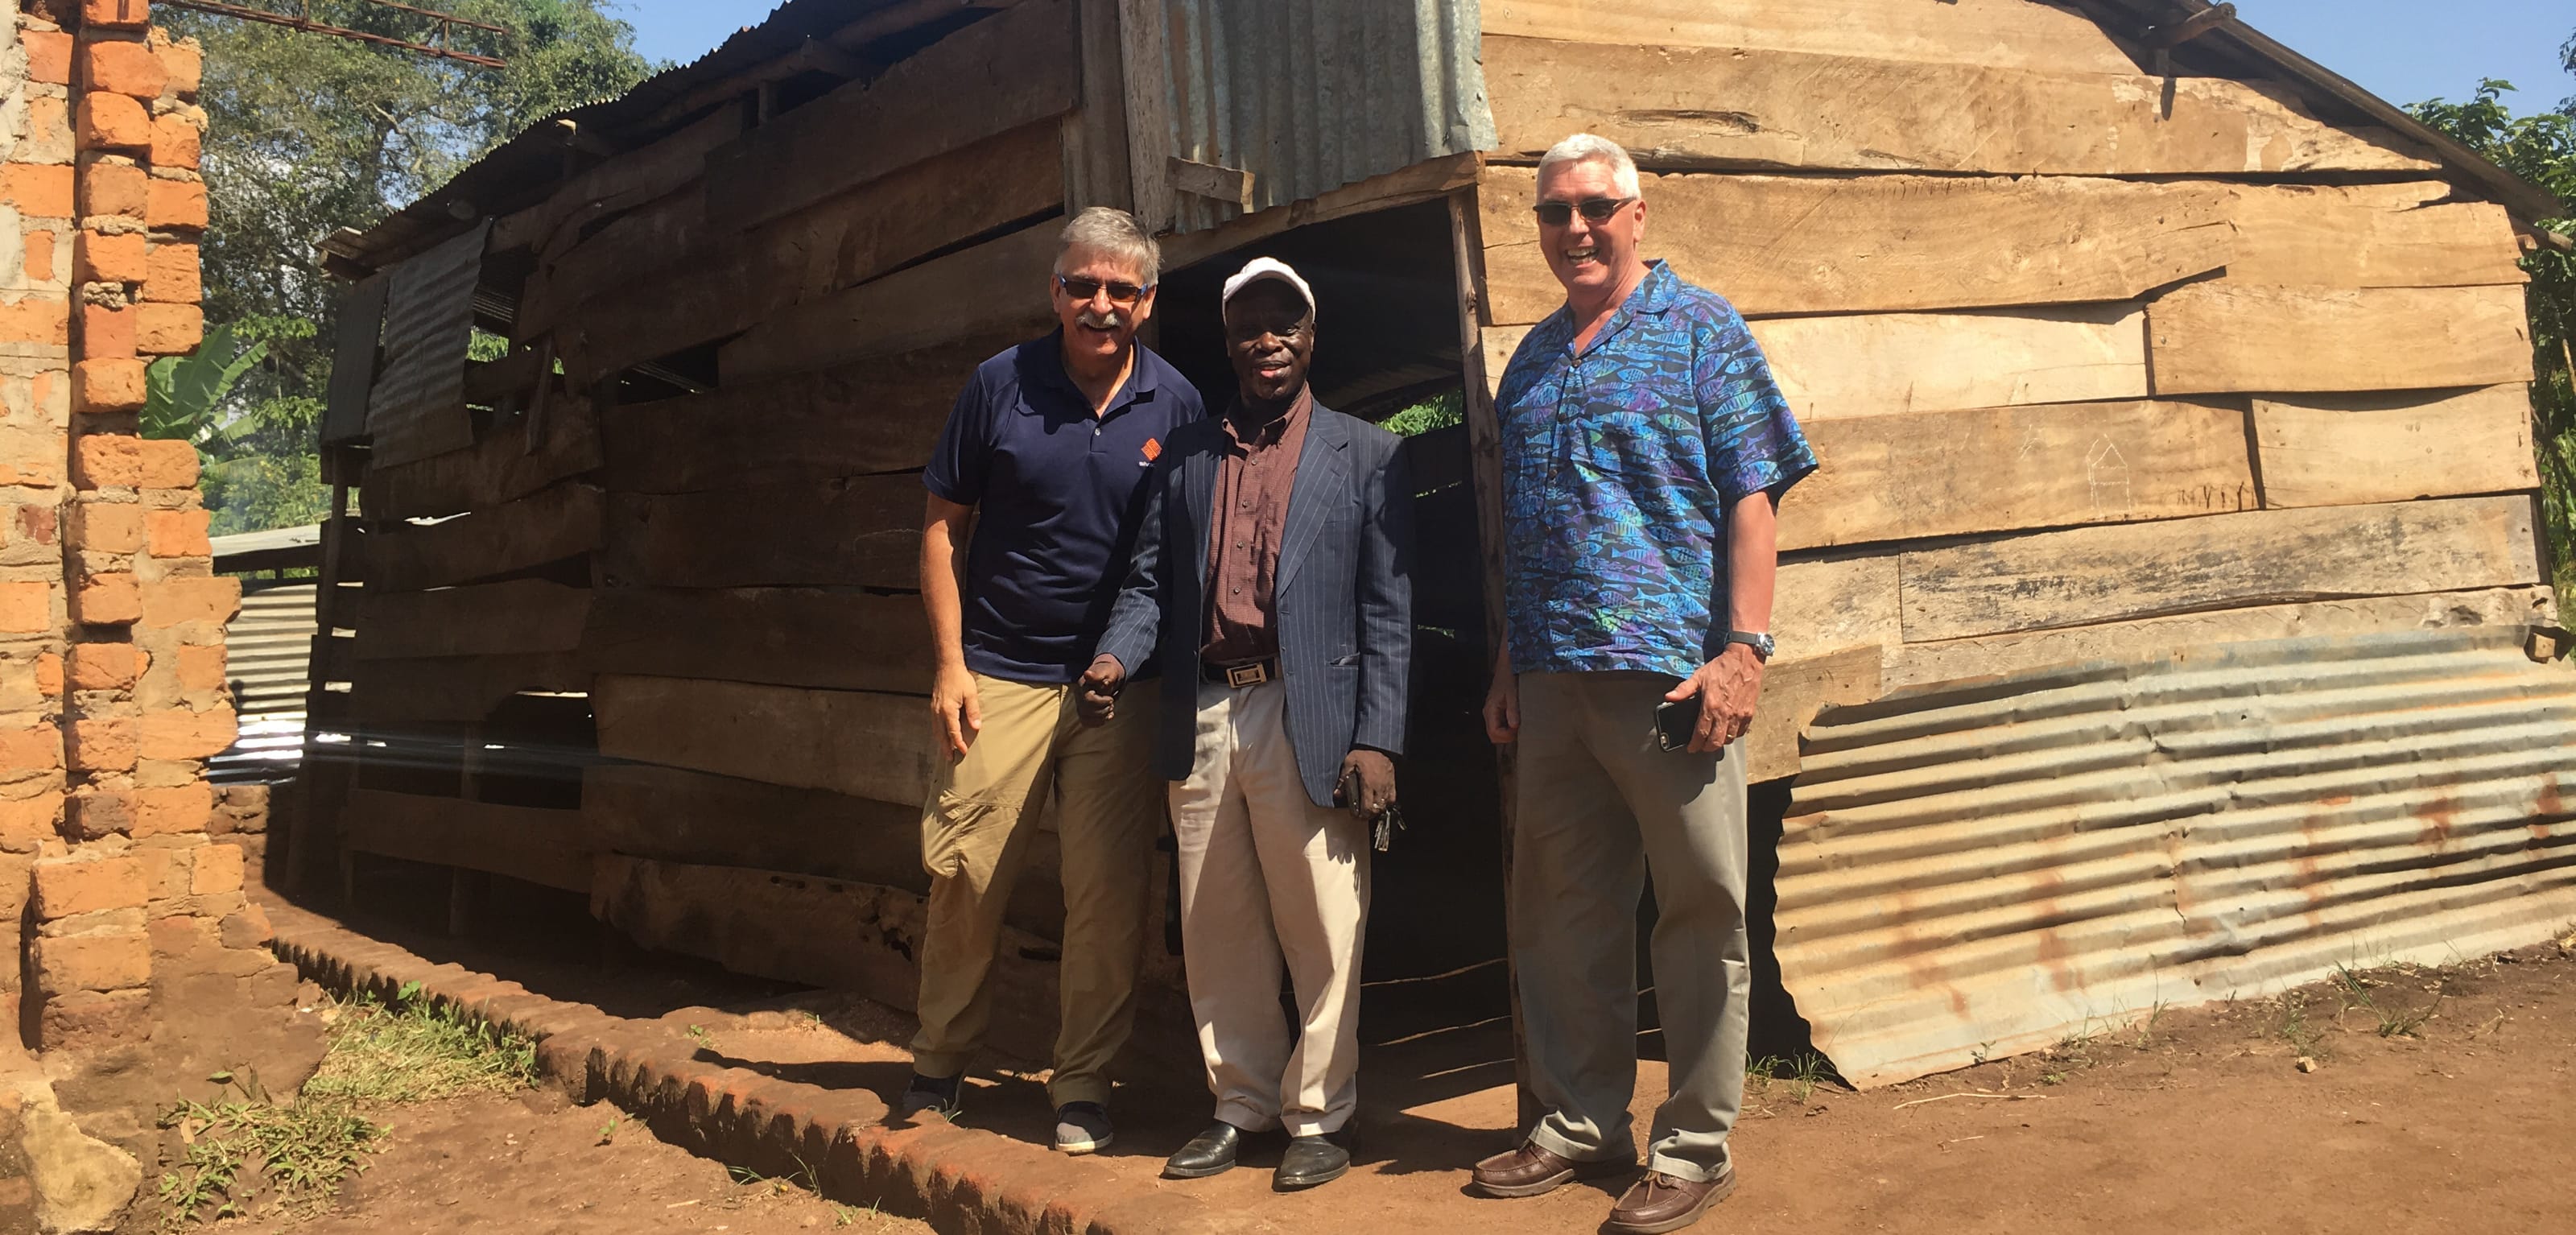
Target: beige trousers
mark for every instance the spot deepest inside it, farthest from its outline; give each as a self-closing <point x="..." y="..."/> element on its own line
<point x="974" y="834"/>
<point x="1268" y="877"/>
<point x="1600" y="807"/>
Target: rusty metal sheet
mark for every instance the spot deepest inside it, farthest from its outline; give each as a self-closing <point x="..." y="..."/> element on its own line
<point x="1310" y="97"/>
<point x="417" y="406"/>
<point x="1972" y="870"/>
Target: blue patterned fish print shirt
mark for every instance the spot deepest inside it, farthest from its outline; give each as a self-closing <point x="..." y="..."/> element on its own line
<point x="1619" y="466"/>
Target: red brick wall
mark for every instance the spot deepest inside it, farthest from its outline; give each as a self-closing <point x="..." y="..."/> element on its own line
<point x="111" y="619"/>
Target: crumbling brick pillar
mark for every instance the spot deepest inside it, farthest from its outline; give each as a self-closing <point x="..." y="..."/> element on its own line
<point x="111" y="619"/>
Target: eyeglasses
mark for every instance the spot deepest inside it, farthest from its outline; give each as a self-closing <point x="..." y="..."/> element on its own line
<point x="1595" y="210"/>
<point x="1082" y="290"/>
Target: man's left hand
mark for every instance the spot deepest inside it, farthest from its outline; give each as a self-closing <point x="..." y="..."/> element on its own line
<point x="1376" y="774"/>
<point x="1727" y="687"/>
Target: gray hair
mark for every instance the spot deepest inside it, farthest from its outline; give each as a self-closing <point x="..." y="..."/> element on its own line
<point x="1587" y="148"/>
<point x="1104" y="229"/>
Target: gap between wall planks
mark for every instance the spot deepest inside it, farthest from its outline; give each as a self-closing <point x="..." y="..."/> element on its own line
<point x="457" y="688"/>
<point x="544" y="847"/>
<point x="860" y="743"/>
<point x="1730" y="107"/>
<point x="780" y="636"/>
<point x="2114" y="572"/>
<point x="560" y="521"/>
<point x="852" y="531"/>
<point x="2003" y="33"/>
<point x="2340" y="450"/>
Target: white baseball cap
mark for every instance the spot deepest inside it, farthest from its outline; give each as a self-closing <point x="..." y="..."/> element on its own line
<point x="1260" y="268"/>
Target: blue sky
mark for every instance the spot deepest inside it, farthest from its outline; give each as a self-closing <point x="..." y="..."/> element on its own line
<point x="2402" y="50"/>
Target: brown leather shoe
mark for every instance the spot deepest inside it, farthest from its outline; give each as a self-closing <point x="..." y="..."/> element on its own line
<point x="1661" y="1202"/>
<point x="1532" y="1171"/>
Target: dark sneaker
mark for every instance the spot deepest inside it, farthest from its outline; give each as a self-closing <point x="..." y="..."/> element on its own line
<point x="934" y="1094"/>
<point x="1083" y="1128"/>
<point x="1661" y="1202"/>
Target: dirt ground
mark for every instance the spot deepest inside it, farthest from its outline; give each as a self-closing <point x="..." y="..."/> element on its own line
<point x="533" y="1164"/>
<point x="2436" y="1097"/>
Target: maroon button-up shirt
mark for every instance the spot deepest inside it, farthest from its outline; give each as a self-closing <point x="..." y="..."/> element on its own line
<point x="1247" y="516"/>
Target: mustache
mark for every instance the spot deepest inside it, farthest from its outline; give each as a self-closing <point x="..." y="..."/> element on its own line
<point x="1110" y="320"/>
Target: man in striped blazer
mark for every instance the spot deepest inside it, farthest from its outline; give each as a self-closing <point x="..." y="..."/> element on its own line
<point x="1271" y="582"/>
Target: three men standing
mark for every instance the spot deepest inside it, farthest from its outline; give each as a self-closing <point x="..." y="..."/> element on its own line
<point x="1272" y="579"/>
<point x="1046" y="455"/>
<point x="1644" y="446"/>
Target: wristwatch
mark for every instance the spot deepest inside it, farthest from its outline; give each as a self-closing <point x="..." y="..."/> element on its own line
<point x="1760" y="643"/>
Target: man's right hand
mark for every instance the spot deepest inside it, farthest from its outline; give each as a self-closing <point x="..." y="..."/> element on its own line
<point x="1096" y="696"/>
<point x="1503" y="704"/>
<point x="959" y="710"/>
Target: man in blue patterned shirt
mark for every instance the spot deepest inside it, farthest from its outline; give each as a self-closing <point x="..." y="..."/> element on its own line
<point x="1644" y="446"/>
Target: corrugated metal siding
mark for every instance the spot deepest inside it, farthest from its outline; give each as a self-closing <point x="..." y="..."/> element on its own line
<point x="268" y="650"/>
<point x="1310" y="97"/>
<point x="1984" y="869"/>
<point x="417" y="408"/>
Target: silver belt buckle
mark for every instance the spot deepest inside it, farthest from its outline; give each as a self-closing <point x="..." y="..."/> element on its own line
<point x="1241" y="676"/>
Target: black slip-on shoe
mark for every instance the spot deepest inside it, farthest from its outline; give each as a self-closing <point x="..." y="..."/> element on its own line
<point x="1313" y="1160"/>
<point x="1209" y="1153"/>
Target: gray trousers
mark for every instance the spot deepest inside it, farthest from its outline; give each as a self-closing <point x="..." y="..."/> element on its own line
<point x="1599" y="805"/>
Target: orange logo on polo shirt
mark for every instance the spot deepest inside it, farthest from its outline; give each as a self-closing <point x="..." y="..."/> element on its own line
<point x="1153" y="449"/>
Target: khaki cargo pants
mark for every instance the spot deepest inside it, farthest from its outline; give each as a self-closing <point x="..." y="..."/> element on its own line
<point x="975" y="832"/>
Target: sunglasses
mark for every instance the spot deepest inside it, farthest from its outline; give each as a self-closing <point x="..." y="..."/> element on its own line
<point x="1595" y="210"/>
<point x="1082" y="290"/>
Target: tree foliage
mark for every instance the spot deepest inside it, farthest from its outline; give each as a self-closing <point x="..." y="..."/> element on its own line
<point x="308" y="134"/>
<point x="2540" y="148"/>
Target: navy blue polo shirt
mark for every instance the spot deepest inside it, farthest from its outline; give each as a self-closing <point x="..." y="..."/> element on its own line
<point x="1059" y="493"/>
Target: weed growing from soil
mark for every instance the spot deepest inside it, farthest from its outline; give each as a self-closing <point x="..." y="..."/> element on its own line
<point x="2295" y="1029"/>
<point x="417" y="1054"/>
<point x="239" y="1147"/>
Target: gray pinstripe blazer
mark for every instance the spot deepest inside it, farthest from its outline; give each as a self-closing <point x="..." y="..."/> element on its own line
<point x="1343" y="602"/>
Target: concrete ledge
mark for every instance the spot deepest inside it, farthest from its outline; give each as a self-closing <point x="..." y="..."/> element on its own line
<point x="964" y="1180"/>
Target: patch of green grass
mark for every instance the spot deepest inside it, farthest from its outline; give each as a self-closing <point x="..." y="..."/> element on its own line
<point x="239" y="1148"/>
<point x="421" y="1052"/>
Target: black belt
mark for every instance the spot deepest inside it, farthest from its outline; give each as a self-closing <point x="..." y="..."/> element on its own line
<point x="1243" y="673"/>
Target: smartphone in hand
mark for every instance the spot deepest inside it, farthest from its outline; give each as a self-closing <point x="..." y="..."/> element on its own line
<point x="1675" y="719"/>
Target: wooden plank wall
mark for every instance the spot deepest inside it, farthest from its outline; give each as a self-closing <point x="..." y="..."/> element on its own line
<point x="728" y="571"/>
<point x="2097" y="362"/>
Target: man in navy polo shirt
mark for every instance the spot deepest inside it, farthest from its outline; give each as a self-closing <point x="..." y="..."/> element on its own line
<point x="1045" y="456"/>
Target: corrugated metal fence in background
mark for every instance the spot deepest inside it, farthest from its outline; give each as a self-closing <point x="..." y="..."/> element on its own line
<point x="268" y="649"/>
<point x="1313" y="96"/>
<point x="1986" y="868"/>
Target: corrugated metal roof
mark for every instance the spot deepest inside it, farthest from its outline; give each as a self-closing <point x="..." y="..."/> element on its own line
<point x="1310" y="97"/>
<point x="1981" y="869"/>
<point x="268" y="650"/>
<point x="417" y="406"/>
